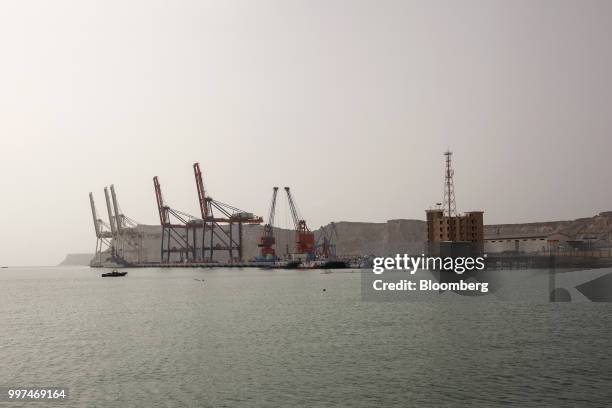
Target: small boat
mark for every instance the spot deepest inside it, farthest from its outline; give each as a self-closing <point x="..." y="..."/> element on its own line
<point x="113" y="273"/>
<point x="324" y="264"/>
<point x="279" y="264"/>
<point x="291" y="264"/>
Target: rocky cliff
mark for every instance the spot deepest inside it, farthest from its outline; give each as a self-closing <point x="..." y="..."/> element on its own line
<point x="388" y="238"/>
<point x="409" y="236"/>
<point x="76" y="259"/>
<point x="596" y="229"/>
<point x="383" y="239"/>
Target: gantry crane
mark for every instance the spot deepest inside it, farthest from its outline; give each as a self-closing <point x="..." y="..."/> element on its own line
<point x="267" y="240"/>
<point x="122" y="221"/>
<point x="220" y="228"/>
<point x="304" y="240"/>
<point x="124" y="229"/>
<point x="196" y="239"/>
<point x="175" y="229"/>
<point x="325" y="246"/>
<point x="103" y="235"/>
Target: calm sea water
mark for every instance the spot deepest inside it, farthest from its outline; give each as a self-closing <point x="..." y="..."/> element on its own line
<point x="160" y="338"/>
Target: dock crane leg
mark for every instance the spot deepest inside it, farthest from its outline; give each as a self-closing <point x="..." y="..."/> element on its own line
<point x="240" y="241"/>
<point x="212" y="236"/>
<point x="231" y="252"/>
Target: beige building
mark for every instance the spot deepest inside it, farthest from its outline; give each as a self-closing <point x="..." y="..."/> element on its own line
<point x="464" y="228"/>
<point x="526" y="243"/>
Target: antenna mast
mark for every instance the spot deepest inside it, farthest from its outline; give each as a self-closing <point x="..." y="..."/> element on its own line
<point x="450" y="208"/>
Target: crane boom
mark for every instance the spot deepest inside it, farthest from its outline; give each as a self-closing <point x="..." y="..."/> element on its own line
<point x="304" y="238"/>
<point x="111" y="219"/>
<point x="297" y="221"/>
<point x="272" y="212"/>
<point x="163" y="215"/>
<point x="118" y="217"/>
<point x="201" y="191"/>
<point x="267" y="240"/>
<point x="94" y="215"/>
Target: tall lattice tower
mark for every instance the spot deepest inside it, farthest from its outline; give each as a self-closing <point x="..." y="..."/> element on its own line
<point x="450" y="208"/>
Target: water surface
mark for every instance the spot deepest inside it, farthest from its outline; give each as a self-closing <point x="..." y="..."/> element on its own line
<point x="263" y="338"/>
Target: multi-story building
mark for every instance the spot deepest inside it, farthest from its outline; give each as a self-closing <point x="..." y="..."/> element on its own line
<point x="466" y="228"/>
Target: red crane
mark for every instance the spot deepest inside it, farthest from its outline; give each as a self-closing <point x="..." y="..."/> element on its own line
<point x="175" y="235"/>
<point x="267" y="240"/>
<point x="304" y="242"/>
<point x="163" y="210"/>
<point x="201" y="191"/>
<point x="217" y="225"/>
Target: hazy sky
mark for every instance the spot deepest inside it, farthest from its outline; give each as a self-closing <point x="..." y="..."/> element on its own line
<point x="351" y="103"/>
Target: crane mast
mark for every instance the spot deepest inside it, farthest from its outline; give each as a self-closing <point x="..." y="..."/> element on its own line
<point x="267" y="241"/>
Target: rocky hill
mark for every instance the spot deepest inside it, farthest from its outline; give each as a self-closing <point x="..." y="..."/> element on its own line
<point x="400" y="236"/>
<point x="383" y="239"/>
<point x="596" y="229"/>
<point x="76" y="259"/>
<point x="388" y="238"/>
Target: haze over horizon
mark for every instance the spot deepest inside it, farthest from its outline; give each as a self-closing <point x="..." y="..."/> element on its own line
<point x="351" y="103"/>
